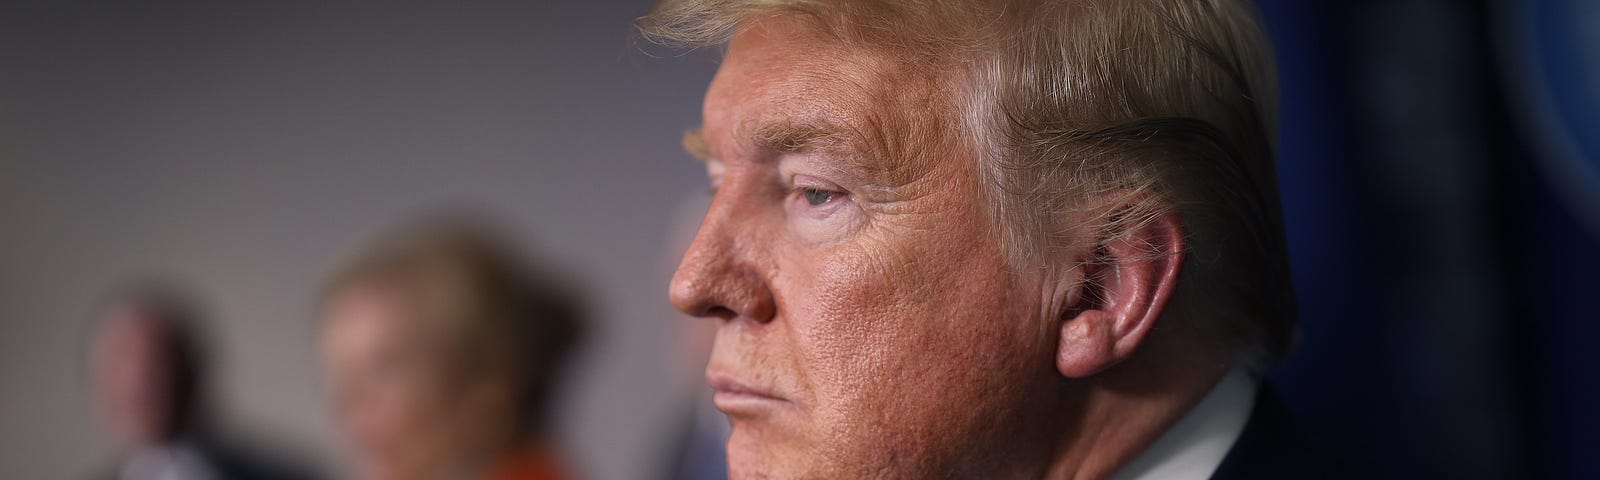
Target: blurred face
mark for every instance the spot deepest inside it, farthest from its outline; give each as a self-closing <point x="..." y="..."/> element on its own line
<point x="868" y="327"/>
<point x="133" y="378"/>
<point x="396" y="406"/>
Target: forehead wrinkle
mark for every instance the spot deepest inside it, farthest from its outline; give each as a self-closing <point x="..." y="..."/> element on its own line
<point x="893" y="112"/>
<point x="831" y="113"/>
<point x="869" y="112"/>
<point x="797" y="117"/>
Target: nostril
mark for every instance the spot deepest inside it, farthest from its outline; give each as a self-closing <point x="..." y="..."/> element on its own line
<point x="720" y="312"/>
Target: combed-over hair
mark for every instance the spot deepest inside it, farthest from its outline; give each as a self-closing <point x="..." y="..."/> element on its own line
<point x="1166" y="105"/>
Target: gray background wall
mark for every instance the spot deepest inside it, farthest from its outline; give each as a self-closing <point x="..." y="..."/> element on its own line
<point x="247" y="148"/>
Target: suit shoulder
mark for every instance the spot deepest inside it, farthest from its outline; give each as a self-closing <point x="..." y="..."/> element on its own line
<point x="1273" y="445"/>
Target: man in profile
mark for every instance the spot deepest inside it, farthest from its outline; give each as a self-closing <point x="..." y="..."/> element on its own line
<point x="1007" y="239"/>
<point x="148" y="374"/>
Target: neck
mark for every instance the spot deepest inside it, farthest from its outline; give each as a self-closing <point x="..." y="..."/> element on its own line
<point x="1126" y="409"/>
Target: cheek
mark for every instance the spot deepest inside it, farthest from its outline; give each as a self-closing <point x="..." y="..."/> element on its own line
<point x="368" y="420"/>
<point x="905" y="333"/>
<point x="386" y="416"/>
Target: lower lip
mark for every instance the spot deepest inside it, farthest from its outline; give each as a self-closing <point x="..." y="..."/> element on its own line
<point x="733" y="402"/>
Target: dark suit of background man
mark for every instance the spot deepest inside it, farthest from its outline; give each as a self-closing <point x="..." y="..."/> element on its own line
<point x="148" y="374"/>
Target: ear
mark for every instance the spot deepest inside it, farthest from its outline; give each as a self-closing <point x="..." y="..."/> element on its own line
<point x="1127" y="281"/>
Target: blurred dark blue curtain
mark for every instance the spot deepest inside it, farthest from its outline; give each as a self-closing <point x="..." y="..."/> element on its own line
<point x="1440" y="183"/>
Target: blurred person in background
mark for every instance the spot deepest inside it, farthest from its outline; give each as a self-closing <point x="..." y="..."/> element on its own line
<point x="443" y="349"/>
<point x="148" y="363"/>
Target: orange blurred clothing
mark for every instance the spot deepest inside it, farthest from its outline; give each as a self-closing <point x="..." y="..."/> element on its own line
<point x="528" y="464"/>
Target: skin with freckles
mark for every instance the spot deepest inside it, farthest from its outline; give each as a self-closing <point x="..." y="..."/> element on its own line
<point x="869" y="324"/>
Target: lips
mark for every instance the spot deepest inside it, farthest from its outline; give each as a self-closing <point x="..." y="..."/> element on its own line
<point x="735" y="396"/>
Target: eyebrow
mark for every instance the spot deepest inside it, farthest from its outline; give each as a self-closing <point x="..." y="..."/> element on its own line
<point x="781" y="137"/>
<point x="798" y="136"/>
<point x="694" y="142"/>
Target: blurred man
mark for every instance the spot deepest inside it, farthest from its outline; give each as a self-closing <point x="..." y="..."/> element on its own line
<point x="443" y="351"/>
<point x="148" y="376"/>
<point x="1005" y="239"/>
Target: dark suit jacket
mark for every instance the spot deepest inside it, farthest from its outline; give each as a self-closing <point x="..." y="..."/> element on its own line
<point x="1273" y="446"/>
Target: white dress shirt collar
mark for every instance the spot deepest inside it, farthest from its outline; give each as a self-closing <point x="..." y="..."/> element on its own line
<point x="1195" y="446"/>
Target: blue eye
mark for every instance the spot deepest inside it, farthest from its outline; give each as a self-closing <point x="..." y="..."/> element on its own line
<point x="817" y="197"/>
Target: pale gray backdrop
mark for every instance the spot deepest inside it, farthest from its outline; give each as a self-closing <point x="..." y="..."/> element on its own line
<point x="248" y="147"/>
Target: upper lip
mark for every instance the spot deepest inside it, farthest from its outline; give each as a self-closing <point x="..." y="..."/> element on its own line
<point x="726" y="383"/>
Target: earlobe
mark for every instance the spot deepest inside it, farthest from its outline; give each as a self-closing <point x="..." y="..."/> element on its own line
<point x="1086" y="344"/>
<point x="1127" y="288"/>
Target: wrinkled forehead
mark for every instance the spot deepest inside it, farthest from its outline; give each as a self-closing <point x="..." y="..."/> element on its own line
<point x="785" y="85"/>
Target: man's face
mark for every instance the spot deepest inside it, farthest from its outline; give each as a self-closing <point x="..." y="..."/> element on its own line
<point x="132" y="363"/>
<point x="868" y="323"/>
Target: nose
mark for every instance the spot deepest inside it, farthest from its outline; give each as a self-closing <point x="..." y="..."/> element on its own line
<point x="720" y="275"/>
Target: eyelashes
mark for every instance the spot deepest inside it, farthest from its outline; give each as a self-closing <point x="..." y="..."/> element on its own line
<point x="817" y="197"/>
<point x="816" y="192"/>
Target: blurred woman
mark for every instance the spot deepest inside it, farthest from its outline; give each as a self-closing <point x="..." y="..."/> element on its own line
<point x="442" y="350"/>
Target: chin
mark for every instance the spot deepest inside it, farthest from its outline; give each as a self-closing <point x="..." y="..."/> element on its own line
<point x="745" y="458"/>
<point x="756" y="454"/>
<point x="759" y="454"/>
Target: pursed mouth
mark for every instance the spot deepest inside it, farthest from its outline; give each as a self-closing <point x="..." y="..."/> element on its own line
<point x="734" y="396"/>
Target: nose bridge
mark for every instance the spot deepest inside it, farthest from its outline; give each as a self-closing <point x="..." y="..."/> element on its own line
<point x="718" y="274"/>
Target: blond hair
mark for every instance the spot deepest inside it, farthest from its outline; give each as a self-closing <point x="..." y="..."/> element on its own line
<point x="1167" y="103"/>
<point x="490" y="312"/>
